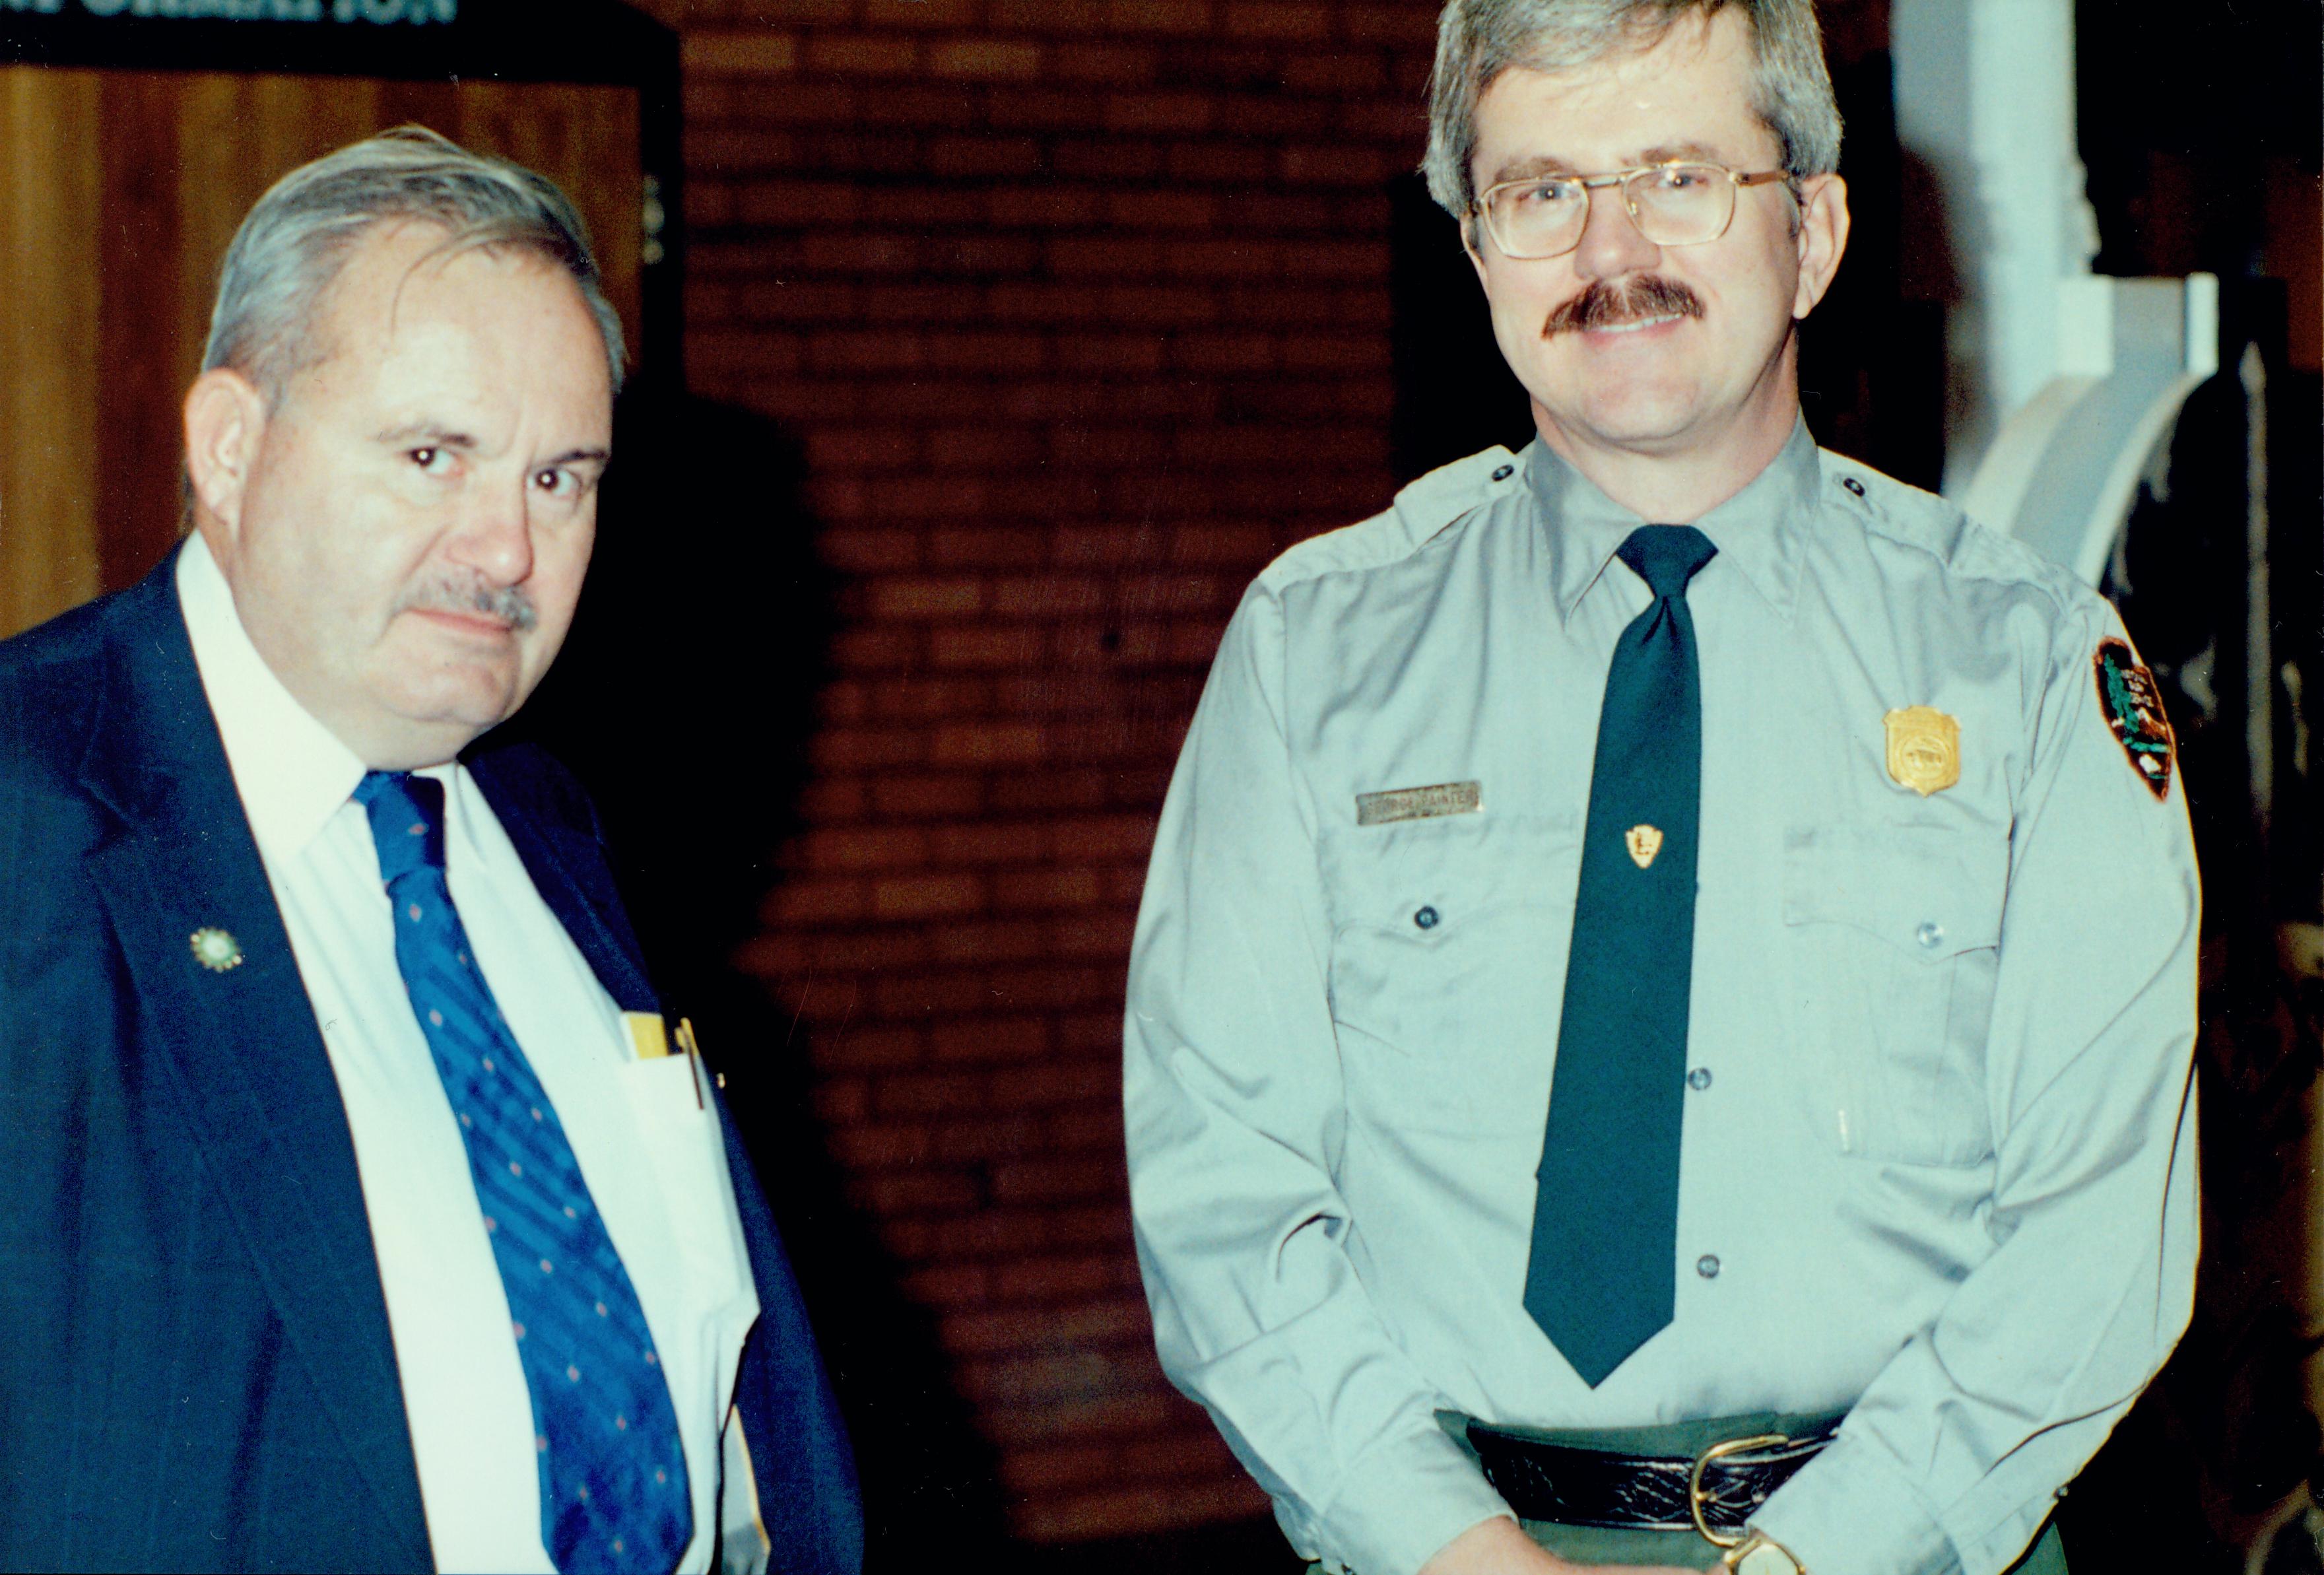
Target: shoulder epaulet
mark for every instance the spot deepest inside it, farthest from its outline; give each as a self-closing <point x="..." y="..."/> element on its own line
<point x="1434" y="501"/>
<point x="1888" y="507"/>
<point x="1900" y="512"/>
<point x="1422" y="510"/>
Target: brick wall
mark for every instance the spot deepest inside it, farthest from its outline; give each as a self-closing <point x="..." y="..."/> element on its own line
<point x="1079" y="309"/>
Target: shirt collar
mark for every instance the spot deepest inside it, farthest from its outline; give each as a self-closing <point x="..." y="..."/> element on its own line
<point x="1760" y="529"/>
<point x="292" y="772"/>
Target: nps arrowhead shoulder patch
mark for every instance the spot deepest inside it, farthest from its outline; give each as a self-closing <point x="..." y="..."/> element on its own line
<point x="2134" y="712"/>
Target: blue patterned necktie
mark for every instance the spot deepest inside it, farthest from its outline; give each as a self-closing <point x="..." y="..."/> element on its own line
<point x="1603" y="1276"/>
<point x="612" y="1473"/>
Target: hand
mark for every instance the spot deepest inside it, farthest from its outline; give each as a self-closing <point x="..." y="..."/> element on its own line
<point x="1499" y="1546"/>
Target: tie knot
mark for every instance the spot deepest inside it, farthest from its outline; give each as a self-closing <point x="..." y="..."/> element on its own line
<point x="1667" y="557"/>
<point x="407" y="821"/>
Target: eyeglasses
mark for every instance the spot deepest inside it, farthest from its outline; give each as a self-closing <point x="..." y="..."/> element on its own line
<point x="1672" y="205"/>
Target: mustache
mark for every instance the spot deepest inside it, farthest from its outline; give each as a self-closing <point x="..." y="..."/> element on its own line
<point x="1603" y="305"/>
<point x="507" y="605"/>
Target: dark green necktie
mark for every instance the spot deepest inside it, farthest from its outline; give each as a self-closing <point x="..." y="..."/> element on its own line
<point x="1602" y="1278"/>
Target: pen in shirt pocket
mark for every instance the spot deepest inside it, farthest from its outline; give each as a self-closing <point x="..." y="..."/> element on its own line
<point x="651" y="1036"/>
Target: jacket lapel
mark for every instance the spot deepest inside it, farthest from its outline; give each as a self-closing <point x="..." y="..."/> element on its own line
<point x="805" y="1470"/>
<point x="554" y="831"/>
<point x="240" y="1044"/>
<point x="798" y="1444"/>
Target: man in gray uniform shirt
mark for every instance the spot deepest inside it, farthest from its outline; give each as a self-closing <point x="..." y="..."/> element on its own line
<point x="1662" y="1016"/>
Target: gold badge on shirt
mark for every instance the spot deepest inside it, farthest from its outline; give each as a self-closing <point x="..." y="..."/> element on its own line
<point x="1923" y="749"/>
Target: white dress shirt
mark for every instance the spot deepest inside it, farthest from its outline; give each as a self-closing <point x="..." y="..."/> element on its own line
<point x="1938" y="1156"/>
<point x="648" y="1142"/>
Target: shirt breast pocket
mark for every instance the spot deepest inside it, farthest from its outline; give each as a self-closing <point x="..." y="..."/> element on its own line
<point x="1448" y="968"/>
<point x="1894" y="938"/>
<point x="685" y="1146"/>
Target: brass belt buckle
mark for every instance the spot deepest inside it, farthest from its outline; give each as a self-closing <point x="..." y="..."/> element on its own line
<point x="1696" y="1498"/>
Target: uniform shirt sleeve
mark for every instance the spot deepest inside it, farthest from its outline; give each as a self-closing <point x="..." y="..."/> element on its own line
<point x="1957" y="1452"/>
<point x="1233" y="1104"/>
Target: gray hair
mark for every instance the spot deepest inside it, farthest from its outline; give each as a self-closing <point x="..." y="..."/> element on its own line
<point x="1478" y="39"/>
<point x="294" y="243"/>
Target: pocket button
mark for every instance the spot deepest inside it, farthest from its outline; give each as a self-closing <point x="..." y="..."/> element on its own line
<point x="1425" y="918"/>
<point x="1931" y="935"/>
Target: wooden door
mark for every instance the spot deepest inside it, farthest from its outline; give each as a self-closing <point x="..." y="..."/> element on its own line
<point x="119" y="191"/>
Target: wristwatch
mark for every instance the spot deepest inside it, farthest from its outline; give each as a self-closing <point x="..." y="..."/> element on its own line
<point x="1760" y="1554"/>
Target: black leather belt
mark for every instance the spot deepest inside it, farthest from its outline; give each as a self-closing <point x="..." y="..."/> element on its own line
<point x="1716" y="1491"/>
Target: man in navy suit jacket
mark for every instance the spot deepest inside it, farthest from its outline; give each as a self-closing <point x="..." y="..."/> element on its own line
<point x="234" y="1300"/>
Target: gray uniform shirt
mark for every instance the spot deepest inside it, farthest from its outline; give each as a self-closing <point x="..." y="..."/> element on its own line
<point x="1937" y="1162"/>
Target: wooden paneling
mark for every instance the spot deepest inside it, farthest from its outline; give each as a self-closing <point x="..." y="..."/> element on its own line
<point x="49" y="182"/>
<point x="120" y="191"/>
<point x="142" y="327"/>
<point x="586" y="139"/>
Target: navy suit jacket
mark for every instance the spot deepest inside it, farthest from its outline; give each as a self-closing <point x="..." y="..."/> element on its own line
<point x="195" y="1366"/>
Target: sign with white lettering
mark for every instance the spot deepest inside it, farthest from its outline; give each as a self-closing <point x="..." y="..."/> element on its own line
<point x="512" y="41"/>
<point x="434" y="45"/>
<point x="378" y="12"/>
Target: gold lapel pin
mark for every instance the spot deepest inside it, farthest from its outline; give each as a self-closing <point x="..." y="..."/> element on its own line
<point x="216" y="949"/>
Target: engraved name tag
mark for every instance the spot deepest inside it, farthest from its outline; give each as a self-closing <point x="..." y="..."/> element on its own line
<point x="1418" y="803"/>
